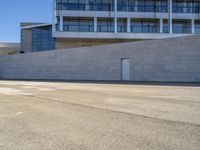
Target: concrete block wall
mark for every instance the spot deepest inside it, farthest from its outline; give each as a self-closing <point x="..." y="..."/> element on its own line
<point x="168" y="60"/>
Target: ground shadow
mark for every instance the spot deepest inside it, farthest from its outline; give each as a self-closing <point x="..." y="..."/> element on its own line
<point x="192" y="84"/>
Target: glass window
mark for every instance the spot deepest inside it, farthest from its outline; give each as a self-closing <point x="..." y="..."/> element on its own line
<point x="181" y="26"/>
<point x="42" y="39"/>
<point x="197" y="27"/>
<point x="121" y="25"/>
<point x="145" y="26"/>
<point x="78" y="24"/>
<point x="179" y="6"/>
<point x="105" y="25"/>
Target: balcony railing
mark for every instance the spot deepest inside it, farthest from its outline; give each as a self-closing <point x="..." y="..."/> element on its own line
<point x="127" y="7"/>
<point x="75" y="6"/>
<point x="186" y="9"/>
<point x="197" y="28"/>
<point x="141" y="8"/>
<point x="177" y="29"/>
<point x="105" y="28"/>
<point x="121" y="28"/>
<point x="134" y="28"/>
<point x="145" y="29"/>
<point x="78" y="28"/>
<point x="85" y="7"/>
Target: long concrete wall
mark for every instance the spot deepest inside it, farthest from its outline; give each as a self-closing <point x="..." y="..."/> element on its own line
<point x="170" y="60"/>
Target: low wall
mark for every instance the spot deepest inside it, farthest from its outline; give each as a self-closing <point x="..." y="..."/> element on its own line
<point x="168" y="60"/>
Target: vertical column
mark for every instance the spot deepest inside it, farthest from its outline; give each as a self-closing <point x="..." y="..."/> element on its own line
<point x="161" y="25"/>
<point x="115" y="15"/>
<point x="95" y="17"/>
<point x="54" y="23"/>
<point x="95" y="24"/>
<point x="61" y="23"/>
<point x="128" y="24"/>
<point x="170" y="13"/>
<point x="193" y="26"/>
<point x="54" y="16"/>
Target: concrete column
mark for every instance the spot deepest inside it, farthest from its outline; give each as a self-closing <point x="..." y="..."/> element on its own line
<point x="170" y="14"/>
<point x="161" y="25"/>
<point x="54" y="24"/>
<point x="128" y="24"/>
<point x="193" y="26"/>
<point x="55" y="21"/>
<point x="115" y="29"/>
<point x="115" y="16"/>
<point x="95" y="24"/>
<point x="61" y="23"/>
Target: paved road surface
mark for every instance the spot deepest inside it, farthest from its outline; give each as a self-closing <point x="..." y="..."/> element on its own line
<point x="92" y="116"/>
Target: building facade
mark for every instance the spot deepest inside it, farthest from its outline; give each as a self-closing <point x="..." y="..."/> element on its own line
<point x="36" y="37"/>
<point x="80" y="23"/>
<point x="125" y="19"/>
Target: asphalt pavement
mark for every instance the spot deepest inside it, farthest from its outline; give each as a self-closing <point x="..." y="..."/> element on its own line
<point x="98" y="116"/>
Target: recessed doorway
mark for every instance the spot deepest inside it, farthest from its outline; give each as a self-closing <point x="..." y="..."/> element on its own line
<point x="125" y="69"/>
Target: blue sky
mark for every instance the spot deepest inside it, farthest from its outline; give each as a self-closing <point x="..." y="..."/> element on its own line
<point x="12" y="12"/>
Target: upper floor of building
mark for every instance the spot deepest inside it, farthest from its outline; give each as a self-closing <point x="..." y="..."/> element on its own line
<point x="140" y="19"/>
<point x="156" y="6"/>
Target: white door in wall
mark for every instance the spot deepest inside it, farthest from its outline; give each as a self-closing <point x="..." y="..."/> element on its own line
<point x="125" y="69"/>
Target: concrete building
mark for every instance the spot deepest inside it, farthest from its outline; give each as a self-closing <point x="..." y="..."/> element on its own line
<point x="124" y="19"/>
<point x="171" y="53"/>
<point x="36" y="37"/>
<point x="9" y="48"/>
<point x="80" y="23"/>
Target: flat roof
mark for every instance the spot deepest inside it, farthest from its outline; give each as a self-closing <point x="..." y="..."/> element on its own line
<point x="34" y="25"/>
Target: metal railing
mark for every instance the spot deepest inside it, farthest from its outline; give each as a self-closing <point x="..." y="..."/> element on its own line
<point x="126" y="7"/>
<point x="186" y="9"/>
<point x="145" y="29"/>
<point x="78" y="28"/>
<point x="181" y="29"/>
<point x="141" y="8"/>
<point x="85" y="7"/>
<point x="105" y="28"/>
<point x="121" y="28"/>
<point x="177" y="29"/>
<point x="197" y="29"/>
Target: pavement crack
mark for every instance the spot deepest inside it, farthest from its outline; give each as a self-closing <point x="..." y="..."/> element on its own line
<point x="110" y="110"/>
